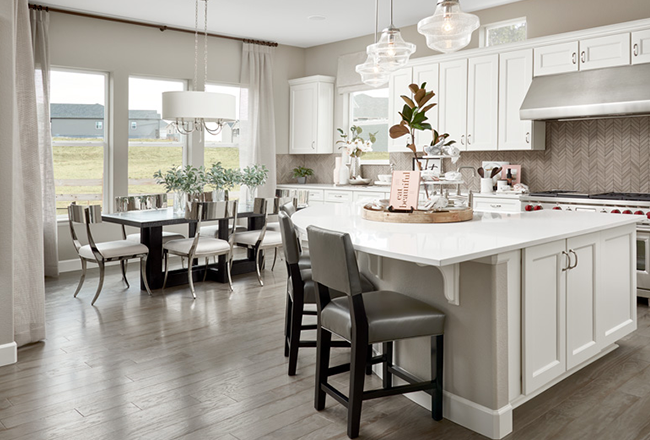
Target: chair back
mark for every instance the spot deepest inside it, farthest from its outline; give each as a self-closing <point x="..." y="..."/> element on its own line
<point x="140" y="203"/>
<point x="86" y="215"/>
<point x="289" y="207"/>
<point x="289" y="239"/>
<point x="333" y="263"/>
<point x="301" y="196"/>
<point x="201" y="211"/>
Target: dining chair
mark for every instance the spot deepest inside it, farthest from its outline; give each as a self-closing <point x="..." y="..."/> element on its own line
<point x="143" y="203"/>
<point x="362" y="318"/>
<point x="201" y="246"/>
<point x="262" y="239"/>
<point x="102" y="253"/>
<point x="287" y="205"/>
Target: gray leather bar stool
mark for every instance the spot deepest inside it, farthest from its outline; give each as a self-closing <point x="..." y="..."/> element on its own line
<point x="367" y="318"/>
<point x="301" y="290"/>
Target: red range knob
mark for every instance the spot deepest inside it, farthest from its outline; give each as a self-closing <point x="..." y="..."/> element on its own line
<point x="538" y="208"/>
<point x="529" y="207"/>
<point x="638" y="213"/>
<point x="614" y="211"/>
<point x="648" y="215"/>
<point x="557" y="208"/>
<point x="627" y="211"/>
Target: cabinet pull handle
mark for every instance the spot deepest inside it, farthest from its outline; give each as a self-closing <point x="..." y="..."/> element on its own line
<point x="495" y="205"/>
<point x="636" y="49"/>
<point x="462" y="140"/>
<point x="568" y="259"/>
<point x="574" y="57"/>
<point x="469" y="139"/>
<point x="583" y="57"/>
<point x="528" y="137"/>
<point x="575" y="255"/>
<point x="312" y="145"/>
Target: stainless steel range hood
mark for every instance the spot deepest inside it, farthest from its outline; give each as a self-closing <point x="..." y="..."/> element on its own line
<point x="601" y="93"/>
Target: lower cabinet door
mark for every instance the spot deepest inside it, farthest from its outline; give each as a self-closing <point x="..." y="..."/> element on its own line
<point x="617" y="290"/>
<point x="581" y="293"/>
<point x="544" y="314"/>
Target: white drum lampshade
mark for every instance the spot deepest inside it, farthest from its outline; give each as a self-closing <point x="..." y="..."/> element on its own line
<point x="208" y="106"/>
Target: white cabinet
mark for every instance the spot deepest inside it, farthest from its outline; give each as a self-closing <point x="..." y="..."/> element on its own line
<point x="452" y="100"/>
<point x="493" y="203"/>
<point x="578" y="298"/>
<point x="398" y="84"/>
<point x="592" y="53"/>
<point x="515" y="76"/>
<point x="315" y="197"/>
<point x="311" y="120"/>
<point x="427" y="74"/>
<point x="338" y="196"/>
<point x="482" y="103"/>
<point x="641" y="47"/>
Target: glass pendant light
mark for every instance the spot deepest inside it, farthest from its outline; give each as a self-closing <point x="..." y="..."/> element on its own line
<point x="371" y="72"/>
<point x="391" y="51"/>
<point x="449" y="29"/>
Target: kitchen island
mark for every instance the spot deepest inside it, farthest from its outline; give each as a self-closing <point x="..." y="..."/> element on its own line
<point x="530" y="298"/>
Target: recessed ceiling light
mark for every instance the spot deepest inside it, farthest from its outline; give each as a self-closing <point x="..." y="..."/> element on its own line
<point x="316" y="17"/>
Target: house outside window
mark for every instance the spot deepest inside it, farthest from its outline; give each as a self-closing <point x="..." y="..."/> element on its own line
<point x="369" y="110"/>
<point x="503" y="32"/>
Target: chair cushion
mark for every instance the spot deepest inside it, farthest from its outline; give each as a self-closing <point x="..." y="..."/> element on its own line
<point x="391" y="316"/>
<point x="206" y="246"/>
<point x="213" y="230"/>
<point x="113" y="249"/>
<point x="249" y="238"/>
<point x="275" y="226"/>
<point x="166" y="236"/>
<point x="310" y="287"/>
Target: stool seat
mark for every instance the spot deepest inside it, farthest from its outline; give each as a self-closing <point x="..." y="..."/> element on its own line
<point x="391" y="316"/>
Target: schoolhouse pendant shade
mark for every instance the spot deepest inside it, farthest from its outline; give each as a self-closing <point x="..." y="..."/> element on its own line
<point x="391" y="52"/>
<point x="449" y="29"/>
<point x="371" y="73"/>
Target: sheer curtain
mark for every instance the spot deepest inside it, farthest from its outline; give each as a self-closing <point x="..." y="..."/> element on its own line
<point x="258" y="114"/>
<point x="21" y="237"/>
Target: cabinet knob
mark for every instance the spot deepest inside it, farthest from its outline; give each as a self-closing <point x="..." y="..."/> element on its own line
<point x="636" y="49"/>
<point x="583" y="56"/>
<point x="462" y="140"/>
<point x="574" y="57"/>
<point x="528" y="137"/>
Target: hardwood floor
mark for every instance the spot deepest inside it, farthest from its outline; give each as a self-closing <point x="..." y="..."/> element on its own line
<point x="166" y="367"/>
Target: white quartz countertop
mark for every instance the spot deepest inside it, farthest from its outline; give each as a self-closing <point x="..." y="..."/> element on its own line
<point x="385" y="188"/>
<point x="449" y="243"/>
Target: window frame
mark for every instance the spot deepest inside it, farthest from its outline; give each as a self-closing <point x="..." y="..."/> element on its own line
<point x="484" y="29"/>
<point x="348" y="123"/>
<point x="107" y="191"/>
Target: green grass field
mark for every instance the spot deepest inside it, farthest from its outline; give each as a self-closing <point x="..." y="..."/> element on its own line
<point x="72" y="163"/>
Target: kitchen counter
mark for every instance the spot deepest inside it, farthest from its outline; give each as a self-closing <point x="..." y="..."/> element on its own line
<point x="530" y="298"/>
<point x="309" y="186"/>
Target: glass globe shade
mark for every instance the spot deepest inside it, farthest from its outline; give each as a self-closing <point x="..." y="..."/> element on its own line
<point x="371" y="73"/>
<point x="391" y="52"/>
<point x="449" y="29"/>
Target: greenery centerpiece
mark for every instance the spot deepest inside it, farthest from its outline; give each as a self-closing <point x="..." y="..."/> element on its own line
<point x="222" y="180"/>
<point x="356" y="147"/>
<point x="301" y="173"/>
<point x="253" y="176"/>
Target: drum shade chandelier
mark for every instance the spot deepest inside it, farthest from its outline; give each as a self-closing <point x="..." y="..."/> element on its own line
<point x="192" y="110"/>
<point x="449" y="29"/>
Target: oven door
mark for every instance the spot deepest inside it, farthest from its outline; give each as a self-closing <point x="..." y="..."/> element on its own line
<point x="643" y="261"/>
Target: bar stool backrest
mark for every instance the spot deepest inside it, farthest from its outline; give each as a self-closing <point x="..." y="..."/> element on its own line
<point x="289" y="239"/>
<point x="333" y="262"/>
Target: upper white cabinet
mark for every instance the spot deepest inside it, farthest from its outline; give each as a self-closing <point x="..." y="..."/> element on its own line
<point x="592" y="53"/>
<point x="311" y="109"/>
<point x="482" y="103"/>
<point x="429" y="74"/>
<point x="452" y="100"/>
<point x="398" y="85"/>
<point x="515" y="76"/>
<point x="641" y="47"/>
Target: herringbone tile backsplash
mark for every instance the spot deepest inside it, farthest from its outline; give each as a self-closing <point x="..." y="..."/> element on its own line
<point x="586" y="156"/>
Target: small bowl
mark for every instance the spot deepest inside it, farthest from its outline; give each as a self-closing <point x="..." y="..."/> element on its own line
<point x="386" y="178"/>
<point x="382" y="203"/>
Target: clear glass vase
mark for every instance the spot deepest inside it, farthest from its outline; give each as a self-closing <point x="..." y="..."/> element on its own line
<point x="179" y="202"/>
<point x="251" y="193"/>
<point x="219" y="195"/>
<point x="355" y="168"/>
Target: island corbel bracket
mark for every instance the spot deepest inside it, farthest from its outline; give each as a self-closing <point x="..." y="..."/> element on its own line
<point x="451" y="282"/>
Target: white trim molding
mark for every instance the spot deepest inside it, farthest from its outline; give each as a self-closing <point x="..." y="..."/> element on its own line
<point x="8" y="354"/>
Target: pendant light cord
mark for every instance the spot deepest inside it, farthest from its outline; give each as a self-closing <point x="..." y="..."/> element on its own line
<point x="196" y="43"/>
<point x="376" y="18"/>
<point x="205" y="46"/>
<point x="391" y="14"/>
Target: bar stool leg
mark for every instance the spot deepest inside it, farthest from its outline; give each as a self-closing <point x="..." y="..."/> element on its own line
<point x="388" y="354"/>
<point x="437" y="360"/>
<point x="369" y="361"/>
<point x="323" y="345"/>
<point x="294" y="332"/>
<point x="287" y="325"/>
<point x="357" y="377"/>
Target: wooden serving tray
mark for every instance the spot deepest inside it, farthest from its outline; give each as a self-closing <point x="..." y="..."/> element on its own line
<point x="460" y="215"/>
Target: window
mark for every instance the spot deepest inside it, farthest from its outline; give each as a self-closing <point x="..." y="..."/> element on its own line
<point x="503" y="32"/>
<point x="77" y="109"/>
<point x="224" y="147"/>
<point x="153" y="143"/>
<point x="369" y="110"/>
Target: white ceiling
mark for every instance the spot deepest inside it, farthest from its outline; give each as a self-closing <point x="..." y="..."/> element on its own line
<point x="283" y="21"/>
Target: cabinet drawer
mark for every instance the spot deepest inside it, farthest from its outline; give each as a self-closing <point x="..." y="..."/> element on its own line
<point x="496" y="205"/>
<point x="368" y="195"/>
<point x="338" y="196"/>
<point x="316" y="195"/>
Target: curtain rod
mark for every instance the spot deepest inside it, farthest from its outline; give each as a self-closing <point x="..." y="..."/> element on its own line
<point x="162" y="28"/>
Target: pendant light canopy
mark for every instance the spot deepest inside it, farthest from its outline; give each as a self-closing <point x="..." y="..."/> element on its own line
<point x="191" y="110"/>
<point x="371" y="72"/>
<point x="449" y="29"/>
<point x="391" y="52"/>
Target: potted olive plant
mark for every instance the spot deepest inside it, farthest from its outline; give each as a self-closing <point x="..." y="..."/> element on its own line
<point x="301" y="173"/>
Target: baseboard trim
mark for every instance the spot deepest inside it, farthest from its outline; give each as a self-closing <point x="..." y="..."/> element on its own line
<point x="8" y="354"/>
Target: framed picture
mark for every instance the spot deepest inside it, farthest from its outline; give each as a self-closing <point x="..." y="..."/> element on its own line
<point x="428" y="165"/>
<point x="515" y="171"/>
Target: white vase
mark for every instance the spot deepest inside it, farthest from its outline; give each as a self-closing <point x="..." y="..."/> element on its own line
<point x="251" y="193"/>
<point x="337" y="170"/>
<point x="344" y="174"/>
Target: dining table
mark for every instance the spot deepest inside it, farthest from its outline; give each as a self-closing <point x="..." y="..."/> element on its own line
<point x="151" y="222"/>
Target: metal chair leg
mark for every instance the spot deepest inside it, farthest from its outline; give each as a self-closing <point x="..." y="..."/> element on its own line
<point x="83" y="276"/>
<point x="123" y="265"/>
<point x="166" y="254"/>
<point x="207" y="263"/>
<point x="257" y="267"/>
<point x="275" y="257"/>
<point x="143" y="273"/>
<point x="189" y="277"/>
<point x="229" y="267"/>
<point x="101" y="281"/>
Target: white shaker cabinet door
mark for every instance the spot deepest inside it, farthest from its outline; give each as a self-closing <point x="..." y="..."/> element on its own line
<point x="610" y="51"/>
<point x="398" y="85"/>
<point x="452" y="100"/>
<point x="482" y="103"/>
<point x="581" y="294"/>
<point x="641" y="47"/>
<point x="304" y="118"/>
<point x="427" y="74"/>
<point x="544" y="314"/>
<point x="556" y="58"/>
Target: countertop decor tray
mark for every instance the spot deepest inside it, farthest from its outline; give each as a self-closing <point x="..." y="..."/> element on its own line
<point x="447" y="216"/>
